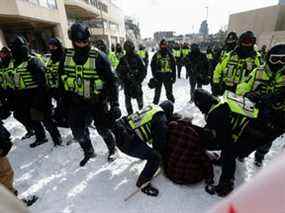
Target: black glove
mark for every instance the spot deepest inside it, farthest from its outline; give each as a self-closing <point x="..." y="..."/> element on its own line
<point x="115" y="112"/>
<point x="172" y="80"/>
<point x="252" y="96"/>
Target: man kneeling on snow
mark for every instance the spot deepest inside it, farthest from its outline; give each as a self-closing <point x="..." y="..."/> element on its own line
<point x="134" y="133"/>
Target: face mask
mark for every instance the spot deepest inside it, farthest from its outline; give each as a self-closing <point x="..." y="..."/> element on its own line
<point x="20" y="53"/>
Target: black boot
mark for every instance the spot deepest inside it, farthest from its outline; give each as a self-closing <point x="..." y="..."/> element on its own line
<point x="38" y="142"/>
<point x="150" y="190"/>
<point x="222" y="189"/>
<point x="28" y="135"/>
<point x="258" y="161"/>
<point x="57" y="141"/>
<point x="86" y="158"/>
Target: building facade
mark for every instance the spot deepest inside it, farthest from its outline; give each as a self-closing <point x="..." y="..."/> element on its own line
<point x="38" y="20"/>
<point x="267" y="23"/>
<point x="105" y="19"/>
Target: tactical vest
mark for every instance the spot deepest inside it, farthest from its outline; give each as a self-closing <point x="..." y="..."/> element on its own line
<point x="51" y="74"/>
<point x="242" y="109"/>
<point x="185" y="52"/>
<point x="210" y="56"/>
<point x="177" y="53"/>
<point x="6" y="77"/>
<point x="237" y="70"/>
<point x="164" y="63"/>
<point x="142" y="53"/>
<point x="266" y="83"/>
<point x="113" y="59"/>
<point x="23" y="78"/>
<point x="82" y="79"/>
<point x="140" y="122"/>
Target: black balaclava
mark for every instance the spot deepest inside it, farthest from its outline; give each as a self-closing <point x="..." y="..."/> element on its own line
<point x="56" y="54"/>
<point x="231" y="41"/>
<point x="168" y="108"/>
<point x="195" y="50"/>
<point x="80" y="32"/>
<point x="163" y="46"/>
<point x="204" y="100"/>
<point x="276" y="50"/>
<point x="119" y="48"/>
<point x="19" y="49"/>
<point x="246" y="44"/>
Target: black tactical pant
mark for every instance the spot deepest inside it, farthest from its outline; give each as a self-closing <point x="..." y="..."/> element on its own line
<point x="193" y="80"/>
<point x="36" y="119"/>
<point x="128" y="103"/>
<point x="255" y="135"/>
<point x="81" y="115"/>
<point x="129" y="143"/>
<point x="178" y="66"/>
<point x="168" y="85"/>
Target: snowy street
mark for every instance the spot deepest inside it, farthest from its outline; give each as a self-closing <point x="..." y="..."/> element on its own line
<point x="63" y="187"/>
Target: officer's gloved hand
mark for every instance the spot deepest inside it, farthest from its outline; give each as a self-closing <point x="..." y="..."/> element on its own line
<point x="252" y="96"/>
<point x="172" y="80"/>
<point x="115" y="112"/>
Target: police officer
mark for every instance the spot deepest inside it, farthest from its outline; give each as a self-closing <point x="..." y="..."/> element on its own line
<point x="119" y="51"/>
<point x="240" y="130"/>
<point x="142" y="52"/>
<point x="230" y="44"/>
<point x="185" y="51"/>
<point x="6" y="86"/>
<point x="91" y="87"/>
<point x="53" y="81"/>
<point x="178" y="58"/>
<point x="163" y="71"/>
<point x="236" y="65"/>
<point x="197" y="68"/>
<point x="31" y="102"/>
<point x="133" y="132"/>
<point x="101" y="45"/>
<point x="266" y="87"/>
<point x="132" y="71"/>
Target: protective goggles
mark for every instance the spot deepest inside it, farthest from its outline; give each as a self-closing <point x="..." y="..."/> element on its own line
<point x="277" y="59"/>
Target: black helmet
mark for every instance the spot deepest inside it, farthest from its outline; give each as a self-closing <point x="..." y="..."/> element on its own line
<point x="141" y="47"/>
<point x="163" y="44"/>
<point x="204" y="100"/>
<point x="129" y="46"/>
<point x="247" y="39"/>
<point x="276" y="57"/>
<point x="232" y="38"/>
<point x="101" y="45"/>
<point x="55" y="41"/>
<point x="19" y="47"/>
<point x="168" y="108"/>
<point x="195" y="48"/>
<point x="79" y="32"/>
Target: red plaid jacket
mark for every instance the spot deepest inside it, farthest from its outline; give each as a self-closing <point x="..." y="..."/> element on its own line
<point x="186" y="159"/>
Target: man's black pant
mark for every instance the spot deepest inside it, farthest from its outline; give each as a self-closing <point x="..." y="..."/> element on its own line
<point x="193" y="80"/>
<point x="80" y="117"/>
<point x="128" y="102"/>
<point x="129" y="143"/>
<point x="168" y="85"/>
<point x="255" y="135"/>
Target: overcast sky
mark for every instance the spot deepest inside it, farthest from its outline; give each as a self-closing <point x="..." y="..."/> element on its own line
<point x="185" y="16"/>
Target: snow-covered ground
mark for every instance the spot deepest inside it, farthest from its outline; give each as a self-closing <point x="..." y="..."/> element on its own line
<point x="63" y="187"/>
